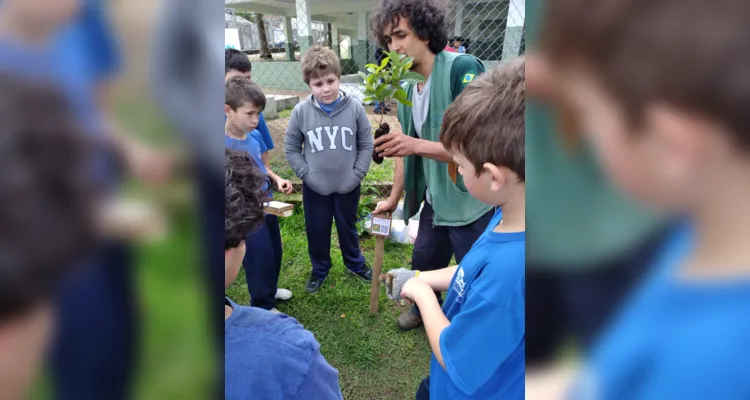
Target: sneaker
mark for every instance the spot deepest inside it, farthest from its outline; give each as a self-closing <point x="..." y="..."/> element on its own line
<point x="275" y="311"/>
<point x="408" y="320"/>
<point x="283" y="294"/>
<point x="314" y="284"/>
<point x="365" y="274"/>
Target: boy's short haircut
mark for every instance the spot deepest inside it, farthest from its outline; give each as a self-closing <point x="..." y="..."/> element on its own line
<point x="240" y="90"/>
<point x="318" y="62"/>
<point x="486" y="121"/>
<point x="243" y="197"/>
<point x="426" y="18"/>
<point x="47" y="194"/>
<point x="691" y="54"/>
<point x="237" y="61"/>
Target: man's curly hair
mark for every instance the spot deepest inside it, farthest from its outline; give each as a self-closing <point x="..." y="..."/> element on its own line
<point x="243" y="197"/>
<point x="47" y="194"/>
<point x="426" y="18"/>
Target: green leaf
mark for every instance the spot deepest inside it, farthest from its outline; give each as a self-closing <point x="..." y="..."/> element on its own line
<point x="371" y="79"/>
<point x="379" y="91"/>
<point x="401" y="95"/>
<point x="372" y="70"/>
<point x="406" y="103"/>
<point x="368" y="66"/>
<point x="413" y="77"/>
<point x="383" y="63"/>
<point x="363" y="75"/>
<point x="369" y="92"/>
<point x="389" y="92"/>
<point x="369" y="98"/>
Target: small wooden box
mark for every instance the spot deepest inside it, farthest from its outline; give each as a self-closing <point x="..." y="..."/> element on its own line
<point x="279" y="209"/>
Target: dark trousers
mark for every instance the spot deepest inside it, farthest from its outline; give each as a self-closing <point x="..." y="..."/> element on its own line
<point x="436" y="245"/>
<point x="320" y="212"/>
<point x="423" y="392"/>
<point x="262" y="263"/>
<point x="94" y="349"/>
<point x="561" y="304"/>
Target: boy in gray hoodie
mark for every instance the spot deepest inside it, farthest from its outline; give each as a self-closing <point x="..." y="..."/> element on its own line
<point x="329" y="146"/>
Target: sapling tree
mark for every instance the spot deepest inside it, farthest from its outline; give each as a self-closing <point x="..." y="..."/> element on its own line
<point x="383" y="83"/>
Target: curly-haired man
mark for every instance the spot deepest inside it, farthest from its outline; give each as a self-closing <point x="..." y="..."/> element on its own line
<point x="451" y="219"/>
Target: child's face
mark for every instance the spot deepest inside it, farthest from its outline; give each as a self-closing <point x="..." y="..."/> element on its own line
<point x="326" y="88"/>
<point x="232" y="263"/>
<point x="403" y="40"/>
<point x="245" y="117"/>
<point x="487" y="187"/>
<point x="656" y="161"/>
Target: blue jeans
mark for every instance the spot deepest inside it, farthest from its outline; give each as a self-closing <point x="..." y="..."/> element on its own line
<point x="263" y="263"/>
<point x="94" y="349"/>
<point x="423" y="392"/>
<point x="320" y="211"/>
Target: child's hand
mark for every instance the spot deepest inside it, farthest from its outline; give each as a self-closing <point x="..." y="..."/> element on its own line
<point x="415" y="288"/>
<point x="284" y="186"/>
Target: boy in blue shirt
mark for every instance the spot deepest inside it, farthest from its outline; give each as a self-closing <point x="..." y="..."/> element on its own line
<point x="267" y="355"/>
<point x="661" y="88"/>
<point x="243" y="103"/>
<point x="478" y="337"/>
<point x="236" y="63"/>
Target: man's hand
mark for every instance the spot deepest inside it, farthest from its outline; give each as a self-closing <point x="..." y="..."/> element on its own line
<point x="395" y="144"/>
<point x="284" y="186"/>
<point x="385" y="207"/>
<point x="415" y="289"/>
<point x="394" y="281"/>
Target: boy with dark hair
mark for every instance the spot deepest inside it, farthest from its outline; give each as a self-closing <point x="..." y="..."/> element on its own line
<point x="661" y="88"/>
<point x="451" y="219"/>
<point x="337" y="139"/>
<point x="46" y="191"/>
<point x="477" y="338"/>
<point x="236" y="63"/>
<point x="267" y="355"/>
<point x="243" y="104"/>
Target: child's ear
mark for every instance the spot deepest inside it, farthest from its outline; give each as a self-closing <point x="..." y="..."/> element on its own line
<point x="227" y="109"/>
<point x="499" y="176"/>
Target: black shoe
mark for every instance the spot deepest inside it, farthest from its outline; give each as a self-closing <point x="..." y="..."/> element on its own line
<point x="365" y="273"/>
<point x="314" y="284"/>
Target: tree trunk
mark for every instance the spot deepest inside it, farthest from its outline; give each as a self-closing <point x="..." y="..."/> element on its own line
<point x="265" y="51"/>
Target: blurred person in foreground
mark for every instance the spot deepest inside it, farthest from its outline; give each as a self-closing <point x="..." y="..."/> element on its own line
<point x="267" y="355"/>
<point x="477" y="337"/>
<point x="45" y="193"/>
<point x="588" y="244"/>
<point x="661" y="88"/>
<point x="69" y="42"/>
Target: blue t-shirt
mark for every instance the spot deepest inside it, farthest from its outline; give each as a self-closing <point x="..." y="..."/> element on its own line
<point x="253" y="145"/>
<point x="272" y="357"/>
<point x="676" y="339"/>
<point x="484" y="346"/>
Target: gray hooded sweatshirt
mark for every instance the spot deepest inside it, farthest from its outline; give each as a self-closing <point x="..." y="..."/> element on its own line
<point x="330" y="153"/>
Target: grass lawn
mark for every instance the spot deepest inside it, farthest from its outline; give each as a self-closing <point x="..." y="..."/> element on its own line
<point x="374" y="358"/>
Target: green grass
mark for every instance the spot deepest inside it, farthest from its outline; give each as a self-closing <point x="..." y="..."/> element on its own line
<point x="374" y="358"/>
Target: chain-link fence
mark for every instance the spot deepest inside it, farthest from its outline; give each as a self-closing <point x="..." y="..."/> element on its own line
<point x="275" y="33"/>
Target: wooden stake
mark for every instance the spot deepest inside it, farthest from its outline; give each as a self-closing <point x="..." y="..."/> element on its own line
<point x="377" y="269"/>
<point x="380" y="227"/>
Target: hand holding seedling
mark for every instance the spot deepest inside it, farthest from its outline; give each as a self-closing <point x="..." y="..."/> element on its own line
<point x="382" y="84"/>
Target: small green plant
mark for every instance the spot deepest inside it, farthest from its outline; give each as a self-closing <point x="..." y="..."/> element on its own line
<point x="383" y="83"/>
